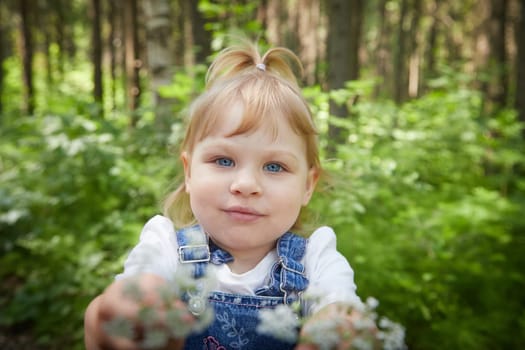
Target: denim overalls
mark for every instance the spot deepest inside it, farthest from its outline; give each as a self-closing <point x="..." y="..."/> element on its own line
<point x="236" y="316"/>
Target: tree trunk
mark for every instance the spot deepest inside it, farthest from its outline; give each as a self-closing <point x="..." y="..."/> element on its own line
<point x="414" y="66"/>
<point x="27" y="56"/>
<point x="493" y="56"/>
<point x="64" y="28"/>
<point x="159" y="57"/>
<point x="60" y="28"/>
<point x="520" y="67"/>
<point x="177" y="23"/>
<point x="114" y="43"/>
<point x="201" y="37"/>
<point x="356" y="22"/>
<point x="343" y="63"/>
<point x="96" y="42"/>
<point x="498" y="88"/>
<point x="275" y="11"/>
<point x="382" y="53"/>
<point x="453" y="37"/>
<point x="399" y="57"/>
<point x="131" y="57"/>
<point x="309" y="37"/>
<point x="430" y="49"/>
<point x="188" y="39"/>
<point x="3" y="55"/>
<point x="43" y="21"/>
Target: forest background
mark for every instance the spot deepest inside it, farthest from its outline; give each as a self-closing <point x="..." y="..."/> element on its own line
<point x="421" y="109"/>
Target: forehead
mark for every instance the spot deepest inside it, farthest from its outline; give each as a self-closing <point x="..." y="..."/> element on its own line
<point x="246" y="106"/>
<point x="237" y="119"/>
<point x="276" y="138"/>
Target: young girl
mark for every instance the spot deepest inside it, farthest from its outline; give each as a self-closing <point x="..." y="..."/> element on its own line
<point x="251" y="163"/>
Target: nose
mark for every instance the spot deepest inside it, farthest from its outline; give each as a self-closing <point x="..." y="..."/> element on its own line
<point x="246" y="183"/>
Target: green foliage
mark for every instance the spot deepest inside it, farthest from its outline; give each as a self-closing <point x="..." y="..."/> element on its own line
<point x="428" y="203"/>
<point x="427" y="199"/>
<point x="226" y="18"/>
<point x="74" y="194"/>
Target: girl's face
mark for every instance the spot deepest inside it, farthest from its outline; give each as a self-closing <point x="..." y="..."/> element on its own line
<point x="247" y="190"/>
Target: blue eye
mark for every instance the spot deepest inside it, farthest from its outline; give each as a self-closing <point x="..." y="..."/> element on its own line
<point x="225" y="162"/>
<point x="273" y="167"/>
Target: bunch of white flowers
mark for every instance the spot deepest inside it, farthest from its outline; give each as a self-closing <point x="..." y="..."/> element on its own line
<point x="157" y="332"/>
<point x="281" y="323"/>
<point x="338" y="330"/>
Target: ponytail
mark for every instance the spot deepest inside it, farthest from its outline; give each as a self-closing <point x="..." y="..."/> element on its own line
<point x="246" y="58"/>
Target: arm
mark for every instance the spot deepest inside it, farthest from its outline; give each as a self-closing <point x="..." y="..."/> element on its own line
<point x="333" y="290"/>
<point x="92" y="336"/>
<point x="350" y="325"/>
<point x="330" y="275"/>
<point x="151" y="263"/>
<point x="113" y="303"/>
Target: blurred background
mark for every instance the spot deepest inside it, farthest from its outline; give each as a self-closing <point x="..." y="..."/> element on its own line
<point x="420" y="106"/>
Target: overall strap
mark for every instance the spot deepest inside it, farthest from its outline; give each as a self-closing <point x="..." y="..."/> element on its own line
<point x="287" y="277"/>
<point x="288" y="274"/>
<point x="196" y="249"/>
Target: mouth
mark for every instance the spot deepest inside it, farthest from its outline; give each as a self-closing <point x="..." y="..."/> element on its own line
<point x="243" y="214"/>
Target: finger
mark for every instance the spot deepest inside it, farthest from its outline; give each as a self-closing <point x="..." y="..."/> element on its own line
<point x="112" y="342"/>
<point x="159" y="315"/>
<point x="306" y="347"/>
<point x="175" y="344"/>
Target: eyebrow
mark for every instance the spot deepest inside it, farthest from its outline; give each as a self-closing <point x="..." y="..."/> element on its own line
<point x="224" y="144"/>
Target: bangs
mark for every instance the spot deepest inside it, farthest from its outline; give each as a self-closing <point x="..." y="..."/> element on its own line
<point x="263" y="100"/>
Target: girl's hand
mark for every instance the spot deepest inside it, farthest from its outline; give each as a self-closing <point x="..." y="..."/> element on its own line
<point x="336" y="318"/>
<point x="306" y="347"/>
<point x="117" y="303"/>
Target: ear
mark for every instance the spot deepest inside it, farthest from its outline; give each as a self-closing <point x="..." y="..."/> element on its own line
<point x="186" y="163"/>
<point x="311" y="181"/>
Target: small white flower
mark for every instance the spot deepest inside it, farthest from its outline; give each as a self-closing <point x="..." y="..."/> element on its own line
<point x="154" y="339"/>
<point x="120" y="327"/>
<point x="372" y="303"/>
<point x="363" y="323"/>
<point x="360" y="343"/>
<point x="385" y="323"/>
<point x="392" y="334"/>
<point x="358" y="305"/>
<point x="281" y="323"/>
<point x="324" y="333"/>
<point x="175" y="324"/>
<point x="184" y="280"/>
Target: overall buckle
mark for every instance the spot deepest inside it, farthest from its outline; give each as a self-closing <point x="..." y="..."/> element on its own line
<point x="200" y="250"/>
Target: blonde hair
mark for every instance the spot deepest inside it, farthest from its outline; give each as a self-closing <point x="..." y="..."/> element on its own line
<point x="267" y="88"/>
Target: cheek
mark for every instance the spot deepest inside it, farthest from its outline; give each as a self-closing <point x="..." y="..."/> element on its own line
<point x="200" y="202"/>
<point x="290" y="197"/>
<point x="203" y="189"/>
<point x="195" y="177"/>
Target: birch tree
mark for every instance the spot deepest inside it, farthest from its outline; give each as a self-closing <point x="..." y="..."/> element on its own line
<point x="160" y="56"/>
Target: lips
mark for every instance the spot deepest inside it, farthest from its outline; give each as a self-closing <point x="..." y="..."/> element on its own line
<point x="243" y="214"/>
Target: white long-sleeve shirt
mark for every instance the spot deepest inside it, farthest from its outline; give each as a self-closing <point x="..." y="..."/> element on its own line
<point x="329" y="273"/>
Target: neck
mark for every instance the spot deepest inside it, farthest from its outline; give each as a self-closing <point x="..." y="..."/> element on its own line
<point x="240" y="266"/>
<point x="246" y="260"/>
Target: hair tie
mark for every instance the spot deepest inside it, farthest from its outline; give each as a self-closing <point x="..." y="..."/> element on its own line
<point x="261" y="67"/>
